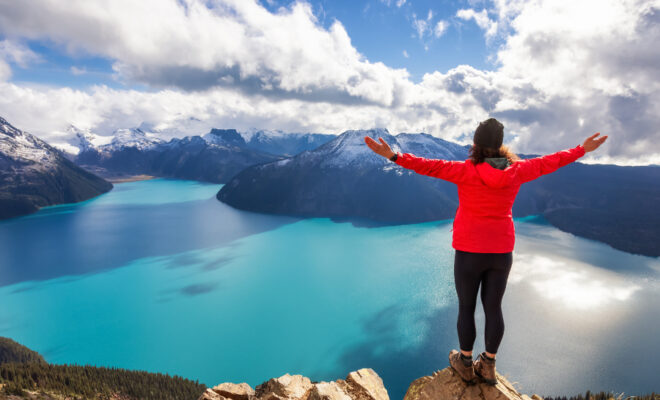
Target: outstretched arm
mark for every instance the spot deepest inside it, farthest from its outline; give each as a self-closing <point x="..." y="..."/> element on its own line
<point x="448" y="170"/>
<point x="533" y="168"/>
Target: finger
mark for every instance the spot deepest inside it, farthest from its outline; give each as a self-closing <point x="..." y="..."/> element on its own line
<point x="594" y="135"/>
<point x="381" y="140"/>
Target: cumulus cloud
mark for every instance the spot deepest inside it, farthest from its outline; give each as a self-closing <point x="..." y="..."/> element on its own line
<point x="193" y="45"/>
<point x="564" y="70"/>
<point x="592" y="66"/>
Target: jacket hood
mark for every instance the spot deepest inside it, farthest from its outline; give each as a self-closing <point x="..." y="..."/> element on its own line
<point x="496" y="172"/>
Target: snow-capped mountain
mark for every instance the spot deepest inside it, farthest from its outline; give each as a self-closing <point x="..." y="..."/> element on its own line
<point x="21" y="151"/>
<point x="215" y="156"/>
<point x="282" y="143"/>
<point x="134" y="137"/>
<point x="350" y="150"/>
<point x="77" y="140"/>
<point x="225" y="137"/>
<point x="34" y="174"/>
<point x="344" y="178"/>
<point x="425" y="145"/>
<point x="132" y="152"/>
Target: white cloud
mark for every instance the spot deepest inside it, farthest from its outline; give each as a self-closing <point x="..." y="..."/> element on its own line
<point x="5" y="71"/>
<point x="405" y="54"/>
<point x="482" y="20"/>
<point x="16" y="53"/>
<point x="189" y="45"/>
<point x="420" y="25"/>
<point x="234" y="63"/>
<point x="440" y="28"/>
<point x="398" y="3"/>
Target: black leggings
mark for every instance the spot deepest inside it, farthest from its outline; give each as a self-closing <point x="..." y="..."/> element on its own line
<point x="470" y="270"/>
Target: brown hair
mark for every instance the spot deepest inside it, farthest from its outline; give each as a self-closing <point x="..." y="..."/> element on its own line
<point x="478" y="153"/>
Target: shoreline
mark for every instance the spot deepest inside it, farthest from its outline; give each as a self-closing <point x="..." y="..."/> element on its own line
<point x="131" y="178"/>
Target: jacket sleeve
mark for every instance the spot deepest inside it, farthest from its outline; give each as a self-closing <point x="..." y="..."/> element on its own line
<point x="533" y="168"/>
<point x="452" y="171"/>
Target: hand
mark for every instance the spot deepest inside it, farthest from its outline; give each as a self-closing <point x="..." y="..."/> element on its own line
<point x="381" y="148"/>
<point x="592" y="144"/>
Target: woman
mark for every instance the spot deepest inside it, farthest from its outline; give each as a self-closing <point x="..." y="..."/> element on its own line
<point x="483" y="229"/>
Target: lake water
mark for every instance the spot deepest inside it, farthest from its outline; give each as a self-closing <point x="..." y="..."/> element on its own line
<point x="160" y="276"/>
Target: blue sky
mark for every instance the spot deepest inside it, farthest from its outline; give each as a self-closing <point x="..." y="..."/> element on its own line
<point x="552" y="71"/>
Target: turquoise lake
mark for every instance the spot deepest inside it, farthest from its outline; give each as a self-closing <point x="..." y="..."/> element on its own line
<point x="158" y="275"/>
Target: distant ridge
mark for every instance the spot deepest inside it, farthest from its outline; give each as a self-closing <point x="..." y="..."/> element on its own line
<point x="213" y="157"/>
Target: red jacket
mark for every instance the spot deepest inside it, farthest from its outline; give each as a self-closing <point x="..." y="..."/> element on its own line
<point x="484" y="220"/>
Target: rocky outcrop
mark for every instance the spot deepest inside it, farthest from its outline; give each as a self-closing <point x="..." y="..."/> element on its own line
<point x="447" y="384"/>
<point x="363" y="384"/>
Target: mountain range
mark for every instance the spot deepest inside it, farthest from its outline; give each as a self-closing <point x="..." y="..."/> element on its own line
<point x="34" y="174"/>
<point x="317" y="175"/>
<point x="214" y="157"/>
<point x="343" y="179"/>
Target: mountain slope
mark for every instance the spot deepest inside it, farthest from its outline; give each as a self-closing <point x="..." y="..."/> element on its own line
<point x="33" y="174"/>
<point x="194" y="158"/>
<point x="25" y="375"/>
<point x="343" y="178"/>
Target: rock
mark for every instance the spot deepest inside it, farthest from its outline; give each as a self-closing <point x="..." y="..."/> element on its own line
<point x="328" y="391"/>
<point x="447" y="384"/>
<point x="209" y="394"/>
<point x="233" y="391"/>
<point x="286" y="387"/>
<point x="363" y="384"/>
<point x="366" y="384"/>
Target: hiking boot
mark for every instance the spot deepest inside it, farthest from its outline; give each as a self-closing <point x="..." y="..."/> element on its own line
<point x="464" y="370"/>
<point x="485" y="369"/>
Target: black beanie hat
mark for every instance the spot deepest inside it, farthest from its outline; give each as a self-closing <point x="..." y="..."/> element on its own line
<point x="489" y="133"/>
